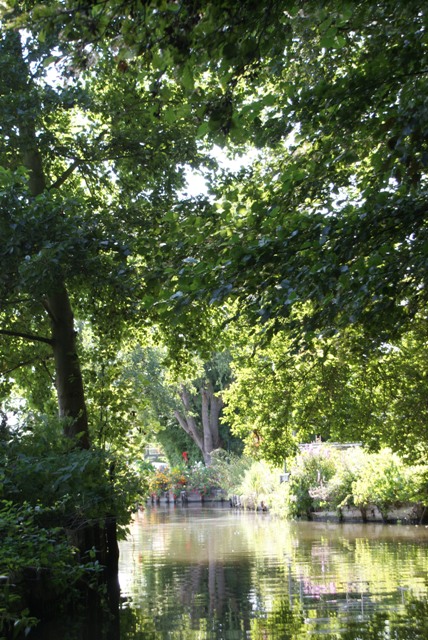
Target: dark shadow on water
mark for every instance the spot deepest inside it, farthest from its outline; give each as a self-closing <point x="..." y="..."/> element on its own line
<point x="93" y="620"/>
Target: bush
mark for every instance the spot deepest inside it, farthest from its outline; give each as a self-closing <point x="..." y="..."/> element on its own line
<point x="178" y="480"/>
<point x="259" y="483"/>
<point x="229" y="470"/>
<point x="73" y="486"/>
<point x="159" y="482"/>
<point x="201" y="478"/>
<point x="309" y="477"/>
<point x="39" y="565"/>
<point x="322" y="477"/>
<point x="198" y="477"/>
<point x="415" y="487"/>
<point x="282" y="502"/>
<point x="51" y="493"/>
<point x="337" y="492"/>
<point x="381" y="481"/>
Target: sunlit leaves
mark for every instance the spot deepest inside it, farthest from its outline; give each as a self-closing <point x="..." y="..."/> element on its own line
<point x="342" y="389"/>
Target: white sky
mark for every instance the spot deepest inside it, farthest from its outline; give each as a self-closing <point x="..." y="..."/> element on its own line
<point x="196" y="182"/>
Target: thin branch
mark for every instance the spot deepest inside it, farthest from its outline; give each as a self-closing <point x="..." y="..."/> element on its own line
<point x="25" y="363"/>
<point x="65" y="175"/>
<point x="26" y="336"/>
<point x="49" y="373"/>
<point x="7" y="303"/>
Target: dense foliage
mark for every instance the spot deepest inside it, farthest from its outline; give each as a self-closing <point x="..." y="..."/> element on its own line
<point x="331" y="218"/>
<point x="52" y="496"/>
<point x="340" y="388"/>
<point x="309" y="264"/>
<point x="325" y="478"/>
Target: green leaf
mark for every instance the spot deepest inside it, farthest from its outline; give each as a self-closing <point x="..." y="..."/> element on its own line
<point x="187" y="79"/>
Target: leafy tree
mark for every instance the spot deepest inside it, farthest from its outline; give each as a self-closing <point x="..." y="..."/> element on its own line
<point x="90" y="163"/>
<point x="154" y="400"/>
<point x="327" y="228"/>
<point x="333" y="211"/>
<point x="191" y="399"/>
<point x="336" y="388"/>
<point x="331" y="218"/>
<point x="72" y="240"/>
<point x="201" y="405"/>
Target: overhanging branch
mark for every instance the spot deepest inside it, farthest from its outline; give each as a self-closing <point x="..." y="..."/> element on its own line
<point x="25" y="336"/>
<point x="65" y="175"/>
<point x="26" y="363"/>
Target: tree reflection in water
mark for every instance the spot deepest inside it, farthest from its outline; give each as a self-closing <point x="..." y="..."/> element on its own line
<point x="244" y="576"/>
<point x="223" y="575"/>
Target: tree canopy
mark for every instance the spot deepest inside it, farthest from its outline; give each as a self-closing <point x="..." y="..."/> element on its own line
<point x="308" y="264"/>
<point x="323" y="232"/>
<point x="336" y="389"/>
<point x="331" y="219"/>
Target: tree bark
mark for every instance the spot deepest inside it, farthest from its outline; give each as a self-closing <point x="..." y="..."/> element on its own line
<point x="69" y="385"/>
<point x="68" y="379"/>
<point x="206" y="426"/>
<point x="216" y="405"/>
<point x="187" y="421"/>
<point x="206" y="437"/>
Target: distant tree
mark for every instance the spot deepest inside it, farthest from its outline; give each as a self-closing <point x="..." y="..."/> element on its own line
<point x="168" y="399"/>
<point x="201" y="406"/>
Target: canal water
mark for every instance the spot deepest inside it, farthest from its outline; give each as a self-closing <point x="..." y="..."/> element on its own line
<point x="202" y="573"/>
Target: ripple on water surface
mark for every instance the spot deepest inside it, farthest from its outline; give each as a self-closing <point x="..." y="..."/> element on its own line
<point x="205" y="573"/>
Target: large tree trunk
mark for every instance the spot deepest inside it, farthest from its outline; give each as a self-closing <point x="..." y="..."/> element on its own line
<point x="69" y="386"/>
<point x="68" y="379"/>
<point x="187" y="421"/>
<point x="205" y="435"/>
<point x="212" y="404"/>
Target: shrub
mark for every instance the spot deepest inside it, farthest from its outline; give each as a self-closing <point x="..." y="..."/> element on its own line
<point x="327" y="478"/>
<point x="381" y="481"/>
<point x="201" y="478"/>
<point x="38" y="563"/>
<point x="309" y="477"/>
<point x="51" y="492"/>
<point x="260" y="481"/>
<point x="337" y="492"/>
<point x="229" y="470"/>
<point x="282" y="502"/>
<point x="415" y="491"/>
<point x="159" y="482"/>
<point x="178" y="480"/>
<point x="196" y="478"/>
<point x="73" y="485"/>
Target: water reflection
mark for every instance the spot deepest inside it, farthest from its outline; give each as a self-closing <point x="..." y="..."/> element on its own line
<point x="219" y="574"/>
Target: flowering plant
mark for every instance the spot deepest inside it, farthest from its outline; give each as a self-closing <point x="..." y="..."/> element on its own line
<point x="159" y="483"/>
<point x="177" y="480"/>
<point x="201" y="478"/>
<point x="196" y="478"/>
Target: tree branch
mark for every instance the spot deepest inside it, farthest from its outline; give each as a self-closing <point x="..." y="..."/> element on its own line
<point x="189" y="426"/>
<point x="19" y="365"/>
<point x="26" y="336"/>
<point x="65" y="175"/>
